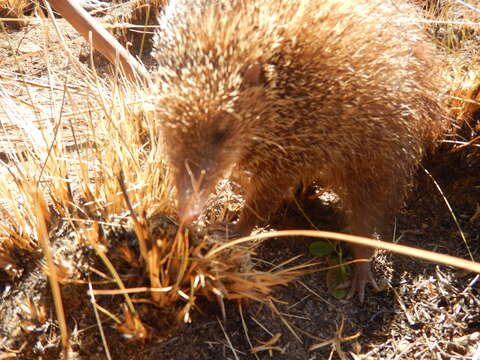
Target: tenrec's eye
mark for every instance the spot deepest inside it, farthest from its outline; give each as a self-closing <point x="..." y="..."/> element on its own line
<point x="221" y="127"/>
<point x="219" y="136"/>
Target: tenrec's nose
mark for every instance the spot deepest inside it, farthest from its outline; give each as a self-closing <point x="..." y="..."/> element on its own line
<point x="190" y="205"/>
<point x="191" y="199"/>
<point x="188" y="212"/>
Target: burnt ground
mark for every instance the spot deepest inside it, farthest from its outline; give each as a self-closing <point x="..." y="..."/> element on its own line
<point x="426" y="311"/>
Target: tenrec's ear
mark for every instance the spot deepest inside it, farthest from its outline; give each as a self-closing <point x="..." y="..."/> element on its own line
<point x="253" y="75"/>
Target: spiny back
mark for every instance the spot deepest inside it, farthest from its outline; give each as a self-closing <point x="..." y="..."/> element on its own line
<point x="351" y="49"/>
<point x="285" y="92"/>
<point x="334" y="83"/>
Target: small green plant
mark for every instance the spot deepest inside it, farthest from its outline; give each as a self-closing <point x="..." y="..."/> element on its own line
<point x="336" y="275"/>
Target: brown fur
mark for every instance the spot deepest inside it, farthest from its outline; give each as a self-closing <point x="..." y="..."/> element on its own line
<point x="287" y="92"/>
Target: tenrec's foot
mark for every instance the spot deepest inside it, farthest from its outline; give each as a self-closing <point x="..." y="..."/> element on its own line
<point x="360" y="277"/>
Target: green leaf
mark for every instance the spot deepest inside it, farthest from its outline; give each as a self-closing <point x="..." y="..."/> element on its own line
<point x="321" y="248"/>
<point x="334" y="278"/>
<point x="339" y="293"/>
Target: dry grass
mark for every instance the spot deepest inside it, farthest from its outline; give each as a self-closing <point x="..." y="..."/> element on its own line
<point x="12" y="12"/>
<point x="88" y="163"/>
<point x="133" y="24"/>
<point x="113" y="176"/>
<point x="458" y="35"/>
<point x="465" y="101"/>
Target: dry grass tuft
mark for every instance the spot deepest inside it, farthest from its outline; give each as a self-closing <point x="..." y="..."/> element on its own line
<point x="134" y="23"/>
<point x="13" y="12"/>
<point x="85" y="166"/>
<point x="465" y="102"/>
<point x="458" y="36"/>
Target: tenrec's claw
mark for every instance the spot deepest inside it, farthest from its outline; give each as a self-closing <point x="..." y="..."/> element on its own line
<point x="361" y="276"/>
